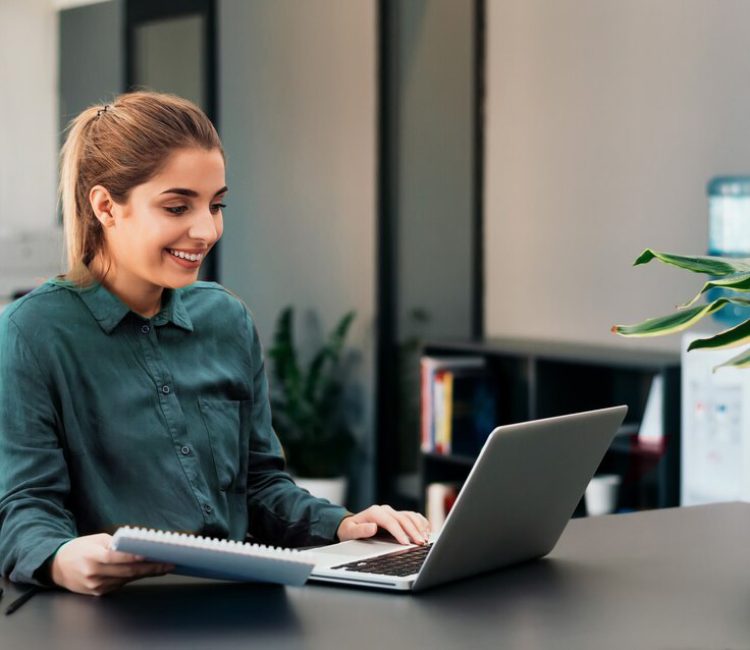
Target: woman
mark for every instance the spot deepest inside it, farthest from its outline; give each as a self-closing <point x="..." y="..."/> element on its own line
<point x="132" y="394"/>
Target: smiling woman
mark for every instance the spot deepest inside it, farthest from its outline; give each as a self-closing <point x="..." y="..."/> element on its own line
<point x="129" y="169"/>
<point x="130" y="392"/>
<point x="161" y="234"/>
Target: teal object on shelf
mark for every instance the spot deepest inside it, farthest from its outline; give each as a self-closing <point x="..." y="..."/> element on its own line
<point x="729" y="233"/>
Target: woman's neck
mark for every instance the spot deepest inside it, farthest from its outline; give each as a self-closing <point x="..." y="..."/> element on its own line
<point x="142" y="297"/>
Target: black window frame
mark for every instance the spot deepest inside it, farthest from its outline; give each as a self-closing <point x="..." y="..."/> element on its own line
<point x="139" y="12"/>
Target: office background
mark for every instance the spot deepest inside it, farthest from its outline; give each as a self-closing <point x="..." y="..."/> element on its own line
<point x="600" y="123"/>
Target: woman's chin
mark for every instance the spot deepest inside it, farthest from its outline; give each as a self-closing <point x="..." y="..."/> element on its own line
<point x="178" y="280"/>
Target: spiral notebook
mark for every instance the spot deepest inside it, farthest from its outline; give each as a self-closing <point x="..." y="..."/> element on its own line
<point x="213" y="558"/>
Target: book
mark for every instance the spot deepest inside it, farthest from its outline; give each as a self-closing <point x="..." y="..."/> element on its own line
<point x="436" y="398"/>
<point x="440" y="406"/>
<point x="204" y="557"/>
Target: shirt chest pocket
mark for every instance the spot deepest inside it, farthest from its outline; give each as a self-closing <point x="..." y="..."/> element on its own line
<point x="227" y="423"/>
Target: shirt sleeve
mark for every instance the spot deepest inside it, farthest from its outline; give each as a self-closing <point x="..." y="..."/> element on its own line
<point x="279" y="512"/>
<point x="34" y="480"/>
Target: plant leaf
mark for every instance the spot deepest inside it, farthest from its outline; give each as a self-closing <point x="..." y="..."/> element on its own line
<point x="330" y="352"/>
<point x="742" y="360"/>
<point x="284" y="355"/>
<point x="736" y="282"/>
<point x="697" y="264"/>
<point x="676" y="322"/>
<point x="726" y="339"/>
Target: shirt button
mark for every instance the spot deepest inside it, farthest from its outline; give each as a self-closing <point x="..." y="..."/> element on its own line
<point x="165" y="389"/>
<point x="185" y="450"/>
<point x="207" y="509"/>
<point x="145" y="329"/>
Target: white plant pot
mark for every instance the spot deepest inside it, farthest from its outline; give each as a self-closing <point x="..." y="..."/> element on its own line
<point x="333" y="489"/>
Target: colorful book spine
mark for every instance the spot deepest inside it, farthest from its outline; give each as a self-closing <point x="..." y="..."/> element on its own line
<point x="438" y="377"/>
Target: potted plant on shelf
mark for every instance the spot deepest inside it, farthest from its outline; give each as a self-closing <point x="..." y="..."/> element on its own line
<point x="307" y="410"/>
<point x="730" y="274"/>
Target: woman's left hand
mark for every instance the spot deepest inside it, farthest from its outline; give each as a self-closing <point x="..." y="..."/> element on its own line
<point x="407" y="527"/>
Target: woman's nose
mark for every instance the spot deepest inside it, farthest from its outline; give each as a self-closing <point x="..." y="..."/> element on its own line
<point x="203" y="227"/>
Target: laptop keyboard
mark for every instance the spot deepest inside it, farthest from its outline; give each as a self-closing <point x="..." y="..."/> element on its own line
<point x="398" y="563"/>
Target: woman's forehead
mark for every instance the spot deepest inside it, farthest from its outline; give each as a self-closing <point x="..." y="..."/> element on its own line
<point x="198" y="170"/>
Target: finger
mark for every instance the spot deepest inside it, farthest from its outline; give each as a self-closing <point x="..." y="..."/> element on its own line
<point x="117" y="557"/>
<point x="420" y="522"/>
<point x="409" y="527"/>
<point x="357" y="530"/>
<point x="104" y="541"/>
<point x="424" y="523"/>
<point x="384" y="516"/>
<point x="106" y="586"/>
<point x="133" y="570"/>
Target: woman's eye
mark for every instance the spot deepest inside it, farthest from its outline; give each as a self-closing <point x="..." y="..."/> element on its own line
<point x="180" y="209"/>
<point x="215" y="207"/>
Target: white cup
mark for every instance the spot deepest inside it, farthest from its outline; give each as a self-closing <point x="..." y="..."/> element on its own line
<point x="601" y="494"/>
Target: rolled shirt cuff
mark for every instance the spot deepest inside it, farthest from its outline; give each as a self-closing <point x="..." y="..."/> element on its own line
<point x="323" y="531"/>
<point x="27" y="567"/>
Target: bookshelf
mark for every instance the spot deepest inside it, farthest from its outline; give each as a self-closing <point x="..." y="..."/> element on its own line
<point x="536" y="379"/>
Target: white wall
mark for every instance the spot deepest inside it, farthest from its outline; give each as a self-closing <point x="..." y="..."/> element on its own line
<point x="605" y="119"/>
<point x="28" y="115"/>
<point x="298" y="121"/>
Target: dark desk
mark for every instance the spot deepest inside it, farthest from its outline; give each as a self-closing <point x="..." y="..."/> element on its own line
<point x="675" y="578"/>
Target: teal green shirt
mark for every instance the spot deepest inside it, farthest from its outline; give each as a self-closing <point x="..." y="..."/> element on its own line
<point x="110" y="419"/>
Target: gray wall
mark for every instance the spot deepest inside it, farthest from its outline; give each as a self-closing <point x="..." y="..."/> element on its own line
<point x="298" y="118"/>
<point x="432" y="64"/>
<point x="605" y="119"/>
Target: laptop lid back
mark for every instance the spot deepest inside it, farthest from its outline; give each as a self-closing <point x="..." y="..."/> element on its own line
<point x="520" y="493"/>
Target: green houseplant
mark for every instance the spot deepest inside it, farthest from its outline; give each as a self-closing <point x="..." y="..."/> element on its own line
<point x="305" y="401"/>
<point x="730" y="274"/>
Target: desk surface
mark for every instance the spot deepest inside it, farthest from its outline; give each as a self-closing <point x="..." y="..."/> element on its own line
<point x="677" y="578"/>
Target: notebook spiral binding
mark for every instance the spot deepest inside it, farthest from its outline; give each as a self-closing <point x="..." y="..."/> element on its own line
<point x="208" y="543"/>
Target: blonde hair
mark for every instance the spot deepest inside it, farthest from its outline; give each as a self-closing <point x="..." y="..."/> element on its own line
<point x="118" y="146"/>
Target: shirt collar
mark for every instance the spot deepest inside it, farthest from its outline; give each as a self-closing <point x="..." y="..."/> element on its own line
<point x="109" y="310"/>
<point x="173" y="310"/>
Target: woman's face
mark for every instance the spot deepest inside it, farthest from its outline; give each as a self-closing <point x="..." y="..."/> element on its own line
<point x="161" y="235"/>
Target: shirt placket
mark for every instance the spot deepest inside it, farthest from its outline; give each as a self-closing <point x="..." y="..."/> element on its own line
<point x="174" y="416"/>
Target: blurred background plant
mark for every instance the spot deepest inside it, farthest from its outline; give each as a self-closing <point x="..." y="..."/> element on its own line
<point x="306" y="403"/>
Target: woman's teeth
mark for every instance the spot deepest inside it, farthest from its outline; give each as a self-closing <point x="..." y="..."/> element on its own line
<point x="191" y="257"/>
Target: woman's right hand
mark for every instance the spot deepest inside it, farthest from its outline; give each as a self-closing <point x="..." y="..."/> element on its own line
<point x="87" y="565"/>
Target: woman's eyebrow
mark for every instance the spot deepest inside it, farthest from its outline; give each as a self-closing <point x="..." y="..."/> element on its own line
<point x="183" y="191"/>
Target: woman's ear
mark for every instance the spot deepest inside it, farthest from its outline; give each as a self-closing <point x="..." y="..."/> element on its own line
<point x="102" y="205"/>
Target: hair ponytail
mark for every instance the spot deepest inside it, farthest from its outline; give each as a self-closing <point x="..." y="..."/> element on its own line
<point x="74" y="227"/>
<point x="120" y="145"/>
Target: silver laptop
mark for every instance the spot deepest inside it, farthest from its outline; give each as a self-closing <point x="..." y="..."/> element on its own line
<point x="514" y="505"/>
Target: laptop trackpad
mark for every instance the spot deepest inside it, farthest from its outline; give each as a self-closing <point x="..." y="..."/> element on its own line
<point x="348" y="551"/>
